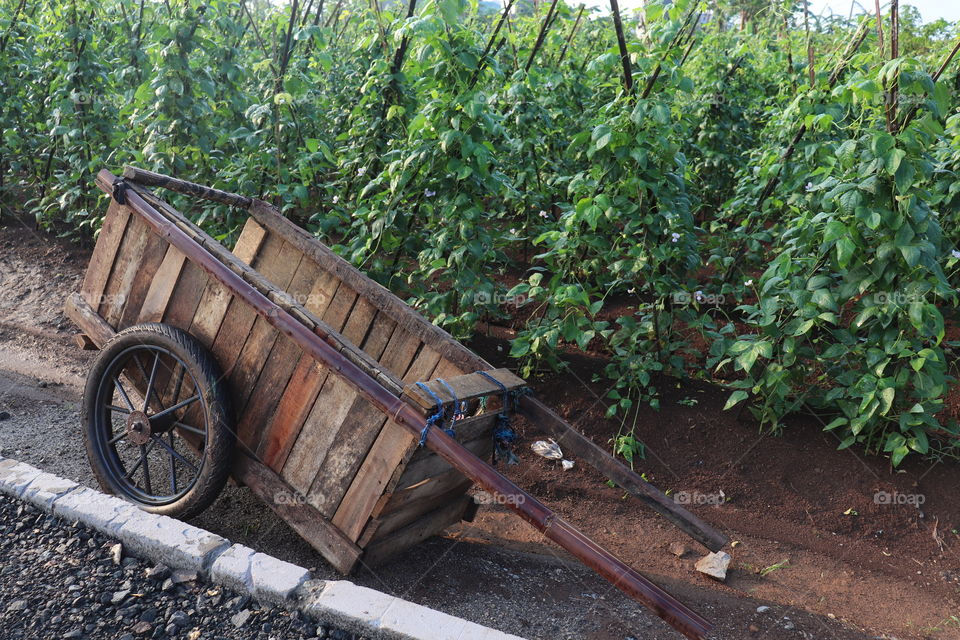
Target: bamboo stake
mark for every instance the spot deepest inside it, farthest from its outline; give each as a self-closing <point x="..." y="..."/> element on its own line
<point x="493" y="38"/>
<point x="892" y="97"/>
<point x="573" y="31"/>
<point x="542" y="35"/>
<point x="622" y="44"/>
<point x="908" y="118"/>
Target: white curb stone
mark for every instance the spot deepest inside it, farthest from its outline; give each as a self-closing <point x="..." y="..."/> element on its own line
<point x="273" y="579"/>
<point x="47" y="488"/>
<point x="232" y="568"/>
<point x="172" y="542"/>
<point x="369" y="612"/>
<point x="98" y="511"/>
<point x="15" y="477"/>
<point x="268" y="579"/>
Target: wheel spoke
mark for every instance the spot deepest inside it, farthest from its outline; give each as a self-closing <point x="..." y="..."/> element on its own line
<point x="153" y="378"/>
<point x="173" y="466"/>
<point x="132" y="471"/>
<point x="179" y="405"/>
<point x="147" y="485"/>
<point x="115" y="439"/>
<point x="175" y="454"/>
<point x="123" y="393"/>
<point x="190" y="429"/>
<point x="113" y="407"/>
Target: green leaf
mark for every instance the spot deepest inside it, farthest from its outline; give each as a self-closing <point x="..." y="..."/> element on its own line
<point x="735" y="397"/>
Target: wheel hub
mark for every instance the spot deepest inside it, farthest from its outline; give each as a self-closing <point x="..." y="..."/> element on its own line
<point x="138" y="428"/>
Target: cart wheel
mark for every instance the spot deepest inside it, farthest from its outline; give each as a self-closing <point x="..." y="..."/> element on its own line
<point x="155" y="421"/>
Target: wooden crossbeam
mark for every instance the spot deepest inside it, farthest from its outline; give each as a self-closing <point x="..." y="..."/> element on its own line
<point x="466" y="387"/>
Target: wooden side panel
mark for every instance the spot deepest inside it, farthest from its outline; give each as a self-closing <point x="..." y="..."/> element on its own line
<point x="161" y="287"/>
<point x="149" y="262"/>
<point x="216" y="299"/>
<point x="342" y="469"/>
<point x="239" y="320"/>
<point x="125" y="267"/>
<point x="186" y="295"/>
<point x="104" y="253"/>
<point x="433" y="523"/>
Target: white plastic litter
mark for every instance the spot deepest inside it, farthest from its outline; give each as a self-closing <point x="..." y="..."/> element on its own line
<point x="549" y="450"/>
<point x="567" y="464"/>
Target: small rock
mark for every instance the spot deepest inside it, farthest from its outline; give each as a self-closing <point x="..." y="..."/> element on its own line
<point x="240" y="619"/>
<point x="167" y="585"/>
<point x="126" y="636"/>
<point x="763" y="609"/>
<point x="789" y="626"/>
<point x="4" y="416"/>
<point x="179" y="576"/>
<point x="73" y="635"/>
<point x="171" y="630"/>
<point x="142" y="628"/>
<point x="116" y="553"/>
<point x="179" y="618"/>
<point x="119" y="596"/>
<point x="714" y="565"/>
<point x="159" y="572"/>
<point x="150" y="615"/>
<point x="17" y="605"/>
<point x="42" y="384"/>
<point x="678" y="549"/>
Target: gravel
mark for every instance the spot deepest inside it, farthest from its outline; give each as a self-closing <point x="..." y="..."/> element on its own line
<point x="59" y="579"/>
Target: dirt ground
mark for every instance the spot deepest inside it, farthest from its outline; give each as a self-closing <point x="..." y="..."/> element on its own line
<point x="820" y="551"/>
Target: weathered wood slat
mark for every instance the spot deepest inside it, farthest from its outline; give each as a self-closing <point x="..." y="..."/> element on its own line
<point x="434" y="465"/>
<point x="186" y="296"/>
<point x="125" y="268"/>
<point x="383" y="549"/>
<point x="309" y="451"/>
<point x="414" y="509"/>
<point x="151" y="257"/>
<point x="427" y="489"/>
<point x="392" y="445"/>
<point x="161" y="286"/>
<point x="292" y="411"/>
<point x="465" y="387"/>
<point x="216" y="299"/>
<point x="87" y="319"/>
<point x="341" y="552"/>
<point x="104" y="253"/>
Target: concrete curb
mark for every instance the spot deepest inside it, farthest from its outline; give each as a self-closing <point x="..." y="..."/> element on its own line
<point x="181" y="546"/>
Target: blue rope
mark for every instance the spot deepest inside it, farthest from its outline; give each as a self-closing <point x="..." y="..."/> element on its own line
<point x="458" y="407"/>
<point x="436" y="417"/>
<point x="503" y="435"/>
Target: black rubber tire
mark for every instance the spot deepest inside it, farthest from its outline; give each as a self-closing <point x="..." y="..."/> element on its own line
<point x="220" y="436"/>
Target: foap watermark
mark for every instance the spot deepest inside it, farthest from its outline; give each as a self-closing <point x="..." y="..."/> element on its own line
<point x="698" y="498"/>
<point x="897" y="498"/>
<point x="485" y="497"/>
<point x="294" y="498"/>
<point x="499" y="299"/>
<point x="897" y="297"/>
<point x="682" y="297"/>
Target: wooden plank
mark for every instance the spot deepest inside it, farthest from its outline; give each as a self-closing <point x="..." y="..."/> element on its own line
<point x="433" y="465"/>
<point x="360" y="322"/>
<point x="104" y="252"/>
<point x="251" y="239"/>
<point x="308" y="453"/>
<point x="186" y="295"/>
<point x="215" y="300"/>
<point x="292" y="411"/>
<point x="125" y="268"/>
<point x="405" y="317"/>
<point x="381" y="330"/>
<point x="150" y="260"/>
<point x="414" y="509"/>
<point x="338" y="311"/>
<point x="161" y="286"/>
<point x="465" y="387"/>
<point x="424" y="490"/>
<point x="276" y="373"/>
<point x="368" y="464"/>
<point x="92" y="325"/>
<point x="435" y="522"/>
<point x="340" y="552"/>
<point x="278" y="266"/>
<point x="240" y="317"/>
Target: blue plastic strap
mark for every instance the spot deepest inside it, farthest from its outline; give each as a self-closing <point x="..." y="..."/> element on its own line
<point x="436" y="417"/>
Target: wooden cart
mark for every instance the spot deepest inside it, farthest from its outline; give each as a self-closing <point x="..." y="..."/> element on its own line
<point x="282" y="365"/>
